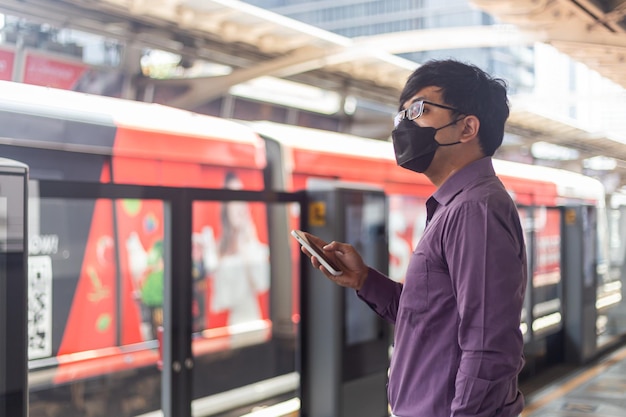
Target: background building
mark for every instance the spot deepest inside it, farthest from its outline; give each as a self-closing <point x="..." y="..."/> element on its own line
<point x="368" y="18"/>
<point x="541" y="79"/>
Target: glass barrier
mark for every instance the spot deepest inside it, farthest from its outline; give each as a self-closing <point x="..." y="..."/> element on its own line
<point x="95" y="275"/>
<point x="238" y="363"/>
<point x="12" y="288"/>
<point x="108" y="276"/>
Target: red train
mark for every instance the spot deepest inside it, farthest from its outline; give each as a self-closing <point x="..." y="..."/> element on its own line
<point x="96" y="266"/>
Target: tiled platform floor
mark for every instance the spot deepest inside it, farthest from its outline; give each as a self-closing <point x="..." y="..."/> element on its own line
<point x="597" y="391"/>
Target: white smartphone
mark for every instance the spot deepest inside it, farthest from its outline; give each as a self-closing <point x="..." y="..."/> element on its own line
<point x="317" y="252"/>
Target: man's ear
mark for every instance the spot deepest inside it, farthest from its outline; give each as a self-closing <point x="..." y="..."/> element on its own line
<point x="471" y="125"/>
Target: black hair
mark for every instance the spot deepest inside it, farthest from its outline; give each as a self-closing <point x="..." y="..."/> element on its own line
<point x="468" y="89"/>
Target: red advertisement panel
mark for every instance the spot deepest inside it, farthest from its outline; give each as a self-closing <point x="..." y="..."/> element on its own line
<point x="6" y="64"/>
<point x="52" y="72"/>
<point x="93" y="308"/>
<point x="407" y="219"/>
<point x="548" y="247"/>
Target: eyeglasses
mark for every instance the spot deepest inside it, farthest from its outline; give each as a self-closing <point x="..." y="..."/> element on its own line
<point x="415" y="110"/>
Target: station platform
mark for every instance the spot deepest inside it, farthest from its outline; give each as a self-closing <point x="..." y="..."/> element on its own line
<point x="597" y="390"/>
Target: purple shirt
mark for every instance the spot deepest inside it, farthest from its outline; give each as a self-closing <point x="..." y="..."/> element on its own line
<point x="458" y="346"/>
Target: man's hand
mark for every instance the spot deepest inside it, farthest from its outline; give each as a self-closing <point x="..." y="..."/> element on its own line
<point x="349" y="260"/>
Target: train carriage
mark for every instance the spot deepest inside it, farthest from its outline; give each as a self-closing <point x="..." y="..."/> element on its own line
<point x="96" y="266"/>
<point x="541" y="194"/>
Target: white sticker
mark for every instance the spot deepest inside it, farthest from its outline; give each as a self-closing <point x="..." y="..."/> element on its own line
<point x="39" y="307"/>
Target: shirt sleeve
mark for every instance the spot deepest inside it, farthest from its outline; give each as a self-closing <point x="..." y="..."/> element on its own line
<point x="382" y="294"/>
<point x="487" y="263"/>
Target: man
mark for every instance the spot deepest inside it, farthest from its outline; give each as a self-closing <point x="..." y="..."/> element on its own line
<point x="458" y="346"/>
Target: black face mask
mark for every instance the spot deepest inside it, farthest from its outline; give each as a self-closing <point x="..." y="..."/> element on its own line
<point x="415" y="146"/>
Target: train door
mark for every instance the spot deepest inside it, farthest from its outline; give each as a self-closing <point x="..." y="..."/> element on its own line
<point x="344" y="344"/>
<point x="542" y="314"/>
<point x="580" y="266"/>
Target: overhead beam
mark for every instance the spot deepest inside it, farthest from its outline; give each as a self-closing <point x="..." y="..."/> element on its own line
<point x="303" y="60"/>
<point x="450" y="38"/>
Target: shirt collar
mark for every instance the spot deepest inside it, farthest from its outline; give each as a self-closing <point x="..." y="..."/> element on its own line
<point x="482" y="167"/>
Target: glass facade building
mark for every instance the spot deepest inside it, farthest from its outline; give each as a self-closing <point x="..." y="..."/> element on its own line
<point x="356" y="18"/>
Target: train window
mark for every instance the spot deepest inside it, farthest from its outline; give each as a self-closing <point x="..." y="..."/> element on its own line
<point x="610" y="301"/>
<point x="546" y="273"/>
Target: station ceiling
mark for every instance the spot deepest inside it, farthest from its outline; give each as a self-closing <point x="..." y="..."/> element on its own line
<point x="590" y="31"/>
<point x="255" y="42"/>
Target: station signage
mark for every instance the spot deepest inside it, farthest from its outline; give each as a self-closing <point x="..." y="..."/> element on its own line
<point x="49" y="71"/>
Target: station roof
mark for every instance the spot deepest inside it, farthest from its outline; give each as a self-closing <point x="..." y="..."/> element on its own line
<point x="252" y="40"/>
<point x="255" y="42"/>
<point x="590" y="31"/>
<point x="531" y="126"/>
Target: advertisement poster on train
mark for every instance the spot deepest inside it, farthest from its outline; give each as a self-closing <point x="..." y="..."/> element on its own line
<point x="235" y="257"/>
<point x="230" y="262"/>
<point x="140" y="234"/>
<point x="93" y="310"/>
<point x="407" y="219"/>
<point x="546" y="313"/>
<point x="546" y="225"/>
<point x="7" y="59"/>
